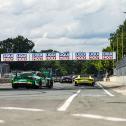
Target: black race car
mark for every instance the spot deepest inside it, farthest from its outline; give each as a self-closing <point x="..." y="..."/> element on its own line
<point x="66" y="79"/>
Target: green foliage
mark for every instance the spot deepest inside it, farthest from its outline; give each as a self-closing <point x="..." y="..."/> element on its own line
<point x="16" y="45"/>
<point x="116" y="40"/>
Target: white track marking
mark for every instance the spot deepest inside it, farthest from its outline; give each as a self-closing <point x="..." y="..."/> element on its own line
<point x="107" y="92"/>
<point x="114" y="119"/>
<point x="68" y="102"/>
<point x="22" y="109"/>
<point x="2" y="121"/>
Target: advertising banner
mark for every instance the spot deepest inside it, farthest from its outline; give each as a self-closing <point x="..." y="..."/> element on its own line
<point x="64" y="56"/>
<point x="10" y="57"/>
<point x="107" y="56"/>
<point x="36" y="57"/>
<point x="80" y="56"/>
<point x="22" y="57"/>
<point x="94" y="55"/>
<point x="7" y="57"/>
<point x="50" y="56"/>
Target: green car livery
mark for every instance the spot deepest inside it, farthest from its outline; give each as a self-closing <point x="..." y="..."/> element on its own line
<point x="31" y="80"/>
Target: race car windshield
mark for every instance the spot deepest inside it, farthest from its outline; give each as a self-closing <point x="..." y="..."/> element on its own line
<point x="84" y="75"/>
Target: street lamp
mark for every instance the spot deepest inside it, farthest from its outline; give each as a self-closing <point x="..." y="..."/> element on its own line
<point x="122" y="41"/>
<point x="117" y="39"/>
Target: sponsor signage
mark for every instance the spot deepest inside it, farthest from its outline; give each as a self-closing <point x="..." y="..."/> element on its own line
<point x="50" y="56"/>
<point x="7" y="57"/>
<point x="36" y="56"/>
<point x="94" y="55"/>
<point x="22" y="57"/>
<point x="80" y="56"/>
<point x="10" y="57"/>
<point x="64" y="56"/>
<point x="107" y="55"/>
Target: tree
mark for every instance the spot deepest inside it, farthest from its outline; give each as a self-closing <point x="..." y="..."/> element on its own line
<point x="117" y="36"/>
<point x="16" y="45"/>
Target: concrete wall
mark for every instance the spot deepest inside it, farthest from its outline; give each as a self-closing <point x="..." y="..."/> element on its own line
<point x="118" y="79"/>
<point x="4" y="80"/>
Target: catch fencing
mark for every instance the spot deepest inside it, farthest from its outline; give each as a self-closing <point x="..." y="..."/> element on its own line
<point x="120" y="69"/>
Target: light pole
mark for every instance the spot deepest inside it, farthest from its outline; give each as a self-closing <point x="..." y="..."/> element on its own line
<point x="113" y="59"/>
<point x="117" y="39"/>
<point x="122" y="40"/>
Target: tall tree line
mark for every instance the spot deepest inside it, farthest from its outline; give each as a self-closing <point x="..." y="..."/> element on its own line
<point x="118" y="41"/>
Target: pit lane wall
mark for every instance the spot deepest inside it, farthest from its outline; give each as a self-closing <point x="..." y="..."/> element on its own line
<point x="116" y="79"/>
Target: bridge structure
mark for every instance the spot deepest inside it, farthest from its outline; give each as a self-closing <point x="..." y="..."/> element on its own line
<point x="13" y="57"/>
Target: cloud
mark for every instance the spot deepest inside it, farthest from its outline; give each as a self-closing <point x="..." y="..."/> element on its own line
<point x="62" y="24"/>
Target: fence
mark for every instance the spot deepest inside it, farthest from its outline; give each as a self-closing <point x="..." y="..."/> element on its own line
<point x="4" y="68"/>
<point x="120" y="69"/>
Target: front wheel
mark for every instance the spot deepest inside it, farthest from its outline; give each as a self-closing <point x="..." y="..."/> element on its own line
<point x="93" y="84"/>
<point x="49" y="84"/>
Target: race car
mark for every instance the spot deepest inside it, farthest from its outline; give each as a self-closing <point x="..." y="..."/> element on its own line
<point x="30" y="80"/>
<point x="84" y="79"/>
<point x="66" y="79"/>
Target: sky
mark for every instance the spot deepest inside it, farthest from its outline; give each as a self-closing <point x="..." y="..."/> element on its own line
<point x="63" y="25"/>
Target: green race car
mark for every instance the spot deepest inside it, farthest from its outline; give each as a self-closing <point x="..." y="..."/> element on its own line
<point x="83" y="79"/>
<point x="31" y="80"/>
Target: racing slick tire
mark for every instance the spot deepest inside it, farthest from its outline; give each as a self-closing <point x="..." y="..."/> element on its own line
<point x="93" y="84"/>
<point x="14" y="86"/>
<point x="49" y="84"/>
<point x="76" y="84"/>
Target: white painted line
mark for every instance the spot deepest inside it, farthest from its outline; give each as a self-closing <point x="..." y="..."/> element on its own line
<point x="22" y="109"/>
<point x="2" y="121"/>
<point x="114" y="119"/>
<point x="107" y="92"/>
<point x="68" y="102"/>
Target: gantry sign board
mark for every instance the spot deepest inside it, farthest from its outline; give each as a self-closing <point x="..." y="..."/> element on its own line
<point x="10" y="57"/>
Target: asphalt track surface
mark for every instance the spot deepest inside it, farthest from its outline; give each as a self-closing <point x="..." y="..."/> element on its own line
<point x="64" y="105"/>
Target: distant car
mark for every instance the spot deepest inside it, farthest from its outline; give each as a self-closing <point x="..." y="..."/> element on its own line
<point x="84" y="79"/>
<point x="66" y="79"/>
<point x="74" y="77"/>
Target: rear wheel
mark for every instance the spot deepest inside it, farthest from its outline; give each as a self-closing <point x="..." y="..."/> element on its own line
<point x="14" y="86"/>
<point x="76" y="84"/>
<point x="35" y="86"/>
<point x="40" y="84"/>
<point x="93" y="84"/>
<point x="28" y="87"/>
